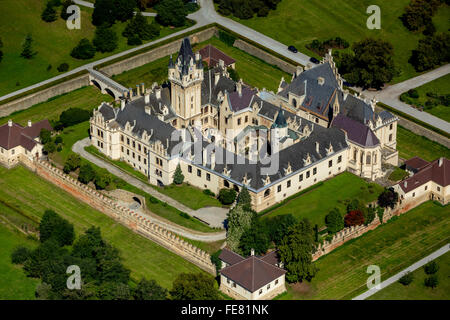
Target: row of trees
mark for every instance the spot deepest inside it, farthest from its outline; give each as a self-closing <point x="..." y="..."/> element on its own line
<point x="418" y="15"/>
<point x="246" y="9"/>
<point x="103" y="275"/>
<point x="321" y="47"/>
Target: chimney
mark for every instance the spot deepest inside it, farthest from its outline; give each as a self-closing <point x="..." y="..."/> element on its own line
<point x="29" y="123"/>
<point x="148" y="110"/>
<point x="239" y="87"/>
<point x="213" y="159"/>
<point x="9" y="123"/>
<point x="216" y="77"/>
<point x="147" y="98"/>
<point x="122" y="104"/>
<point x="321" y="81"/>
<point x="252" y="252"/>
<point x="221" y="63"/>
<point x="158" y="92"/>
<point x="298" y="70"/>
<point x="204" y="156"/>
<point x="130" y="90"/>
<point x="441" y="160"/>
<point x="143" y="88"/>
<point x="138" y="90"/>
<point x="317" y="146"/>
<point x="197" y="56"/>
<point x="406" y="184"/>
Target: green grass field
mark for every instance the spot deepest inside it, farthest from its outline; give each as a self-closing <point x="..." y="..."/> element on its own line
<point x="398" y="174"/>
<point x="252" y="70"/>
<point x="298" y="22"/>
<point x="317" y="203"/>
<point x="410" y="144"/>
<point x="28" y="193"/>
<point x="53" y="42"/>
<point x="86" y="98"/>
<point x="417" y="290"/>
<point x="440" y="86"/>
<point x="392" y="246"/>
<point x="14" y="284"/>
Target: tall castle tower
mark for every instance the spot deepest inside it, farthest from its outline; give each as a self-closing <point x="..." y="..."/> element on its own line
<point x="186" y="77"/>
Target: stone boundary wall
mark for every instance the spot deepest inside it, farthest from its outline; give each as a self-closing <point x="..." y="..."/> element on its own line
<point x="43" y="95"/>
<point x="422" y="131"/>
<point x="349" y="233"/>
<point x="265" y="56"/>
<point x="157" y="53"/>
<point x="133" y="220"/>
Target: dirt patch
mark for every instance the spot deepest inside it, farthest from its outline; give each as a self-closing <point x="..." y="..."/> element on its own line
<point x="302" y="288"/>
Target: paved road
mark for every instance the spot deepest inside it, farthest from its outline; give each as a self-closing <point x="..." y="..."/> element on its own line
<point x="213" y="215"/>
<point x="390" y="96"/>
<point x="411" y="268"/>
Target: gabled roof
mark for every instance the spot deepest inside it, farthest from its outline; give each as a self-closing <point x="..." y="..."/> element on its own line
<point x="280" y="121"/>
<point x="437" y="171"/>
<point x="252" y="273"/>
<point x="230" y="257"/>
<point x="15" y="135"/>
<point x="212" y="55"/>
<point x="356" y="131"/>
<point x="241" y="101"/>
<point x="415" y="163"/>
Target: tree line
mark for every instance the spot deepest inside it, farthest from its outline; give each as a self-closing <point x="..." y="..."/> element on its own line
<point x="246" y="9"/>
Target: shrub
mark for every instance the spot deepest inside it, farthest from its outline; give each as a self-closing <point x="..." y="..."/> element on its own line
<point x="334" y="221"/>
<point x="105" y="39"/>
<point x="20" y="255"/>
<point x="58" y="140"/>
<point x="87" y="173"/>
<point x="178" y="176"/>
<point x="49" y="13"/>
<point x="209" y="193"/>
<point x="152" y="199"/>
<point x="388" y="198"/>
<point x="431" y="267"/>
<point x="84" y="50"/>
<point x="406" y="279"/>
<point x="227" y="196"/>
<point x="413" y="93"/>
<point x="354" y="218"/>
<point x="63" y="67"/>
<point x="73" y="116"/>
<point x="184" y="215"/>
<point x="72" y="163"/>
<point x="431" y="281"/>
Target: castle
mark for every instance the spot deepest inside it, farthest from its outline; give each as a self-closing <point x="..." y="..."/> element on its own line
<point x="225" y="134"/>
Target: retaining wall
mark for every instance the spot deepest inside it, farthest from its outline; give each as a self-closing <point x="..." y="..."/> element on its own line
<point x="133" y="220"/>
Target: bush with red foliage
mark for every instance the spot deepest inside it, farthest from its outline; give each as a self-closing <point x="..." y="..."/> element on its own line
<point x="354" y="218"/>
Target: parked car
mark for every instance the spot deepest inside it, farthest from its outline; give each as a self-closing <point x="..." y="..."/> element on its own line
<point x="293" y="49"/>
<point x="314" y="60"/>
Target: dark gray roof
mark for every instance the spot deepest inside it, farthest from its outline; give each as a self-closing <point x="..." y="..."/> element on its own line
<point x="210" y="90"/>
<point x="356" y="131"/>
<point x="185" y="55"/>
<point x="356" y="108"/>
<point x="241" y="101"/>
<point x="106" y="111"/>
<point x="280" y="121"/>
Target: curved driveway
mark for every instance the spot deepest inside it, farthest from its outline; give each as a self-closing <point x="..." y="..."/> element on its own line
<point x="214" y="214"/>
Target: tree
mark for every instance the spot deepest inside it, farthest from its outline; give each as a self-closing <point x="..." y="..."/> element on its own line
<point x="149" y="290"/>
<point x="406" y="279"/>
<point x="49" y="13"/>
<point x="1" y="52"/>
<point x="72" y="163"/>
<point x="52" y="226"/>
<point x="278" y="226"/>
<point x="114" y="291"/>
<point x="296" y="251"/>
<point x="194" y="286"/>
<point x="102" y="179"/>
<point x="171" y="13"/>
<point x="65" y="5"/>
<point x="234" y="75"/>
<point x="244" y="198"/>
<point x="50" y="147"/>
<point x="105" y="39"/>
<point x="227" y="196"/>
<point x="73" y="116"/>
<point x="20" y="255"/>
<point x="87" y="173"/>
<point x="371" y="64"/>
<point x="255" y="237"/>
<point x="45" y="136"/>
<point x="354" y="218"/>
<point x="124" y="9"/>
<point x="84" y="50"/>
<point x="431" y="267"/>
<point x="27" y="48"/>
<point x="239" y="220"/>
<point x="388" y="198"/>
<point x="178" y="176"/>
<point x="431" y="52"/>
<point x="334" y="221"/>
<point x="104" y="13"/>
<point x="431" y="281"/>
<point x="63" y="67"/>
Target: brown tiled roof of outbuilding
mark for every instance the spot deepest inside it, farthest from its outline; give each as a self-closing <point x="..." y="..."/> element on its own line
<point x="15" y="135"/>
<point x="252" y="273"/>
<point x="230" y="257"/>
<point x="439" y="174"/>
<point x="416" y="163"/>
<point x="271" y="257"/>
<point x="212" y="55"/>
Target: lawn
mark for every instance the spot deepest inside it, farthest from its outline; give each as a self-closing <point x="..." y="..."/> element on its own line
<point x="252" y="70"/>
<point x="298" y="23"/>
<point x="392" y="246"/>
<point x="317" y="203"/>
<point x="31" y="194"/>
<point x="86" y="98"/>
<point x="410" y="144"/>
<point x="53" y="42"/>
<point x="398" y="174"/>
<point x="440" y="86"/>
<point x="417" y="290"/>
<point x="14" y="284"/>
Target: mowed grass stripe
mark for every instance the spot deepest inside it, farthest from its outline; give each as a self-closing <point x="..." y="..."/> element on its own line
<point x="34" y="195"/>
<point x="392" y="246"/>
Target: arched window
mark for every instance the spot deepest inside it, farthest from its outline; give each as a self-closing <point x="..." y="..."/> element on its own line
<point x="368" y="159"/>
<point x="226" y="184"/>
<point x="266" y="193"/>
<point x="294" y="103"/>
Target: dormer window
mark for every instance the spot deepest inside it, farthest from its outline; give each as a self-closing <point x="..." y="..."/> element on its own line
<point x="307" y="161"/>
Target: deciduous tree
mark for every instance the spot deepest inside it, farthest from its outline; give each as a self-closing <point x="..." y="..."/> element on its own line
<point x="194" y="286"/>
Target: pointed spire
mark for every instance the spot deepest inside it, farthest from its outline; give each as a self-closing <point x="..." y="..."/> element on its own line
<point x="280" y="121"/>
<point x="171" y="64"/>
